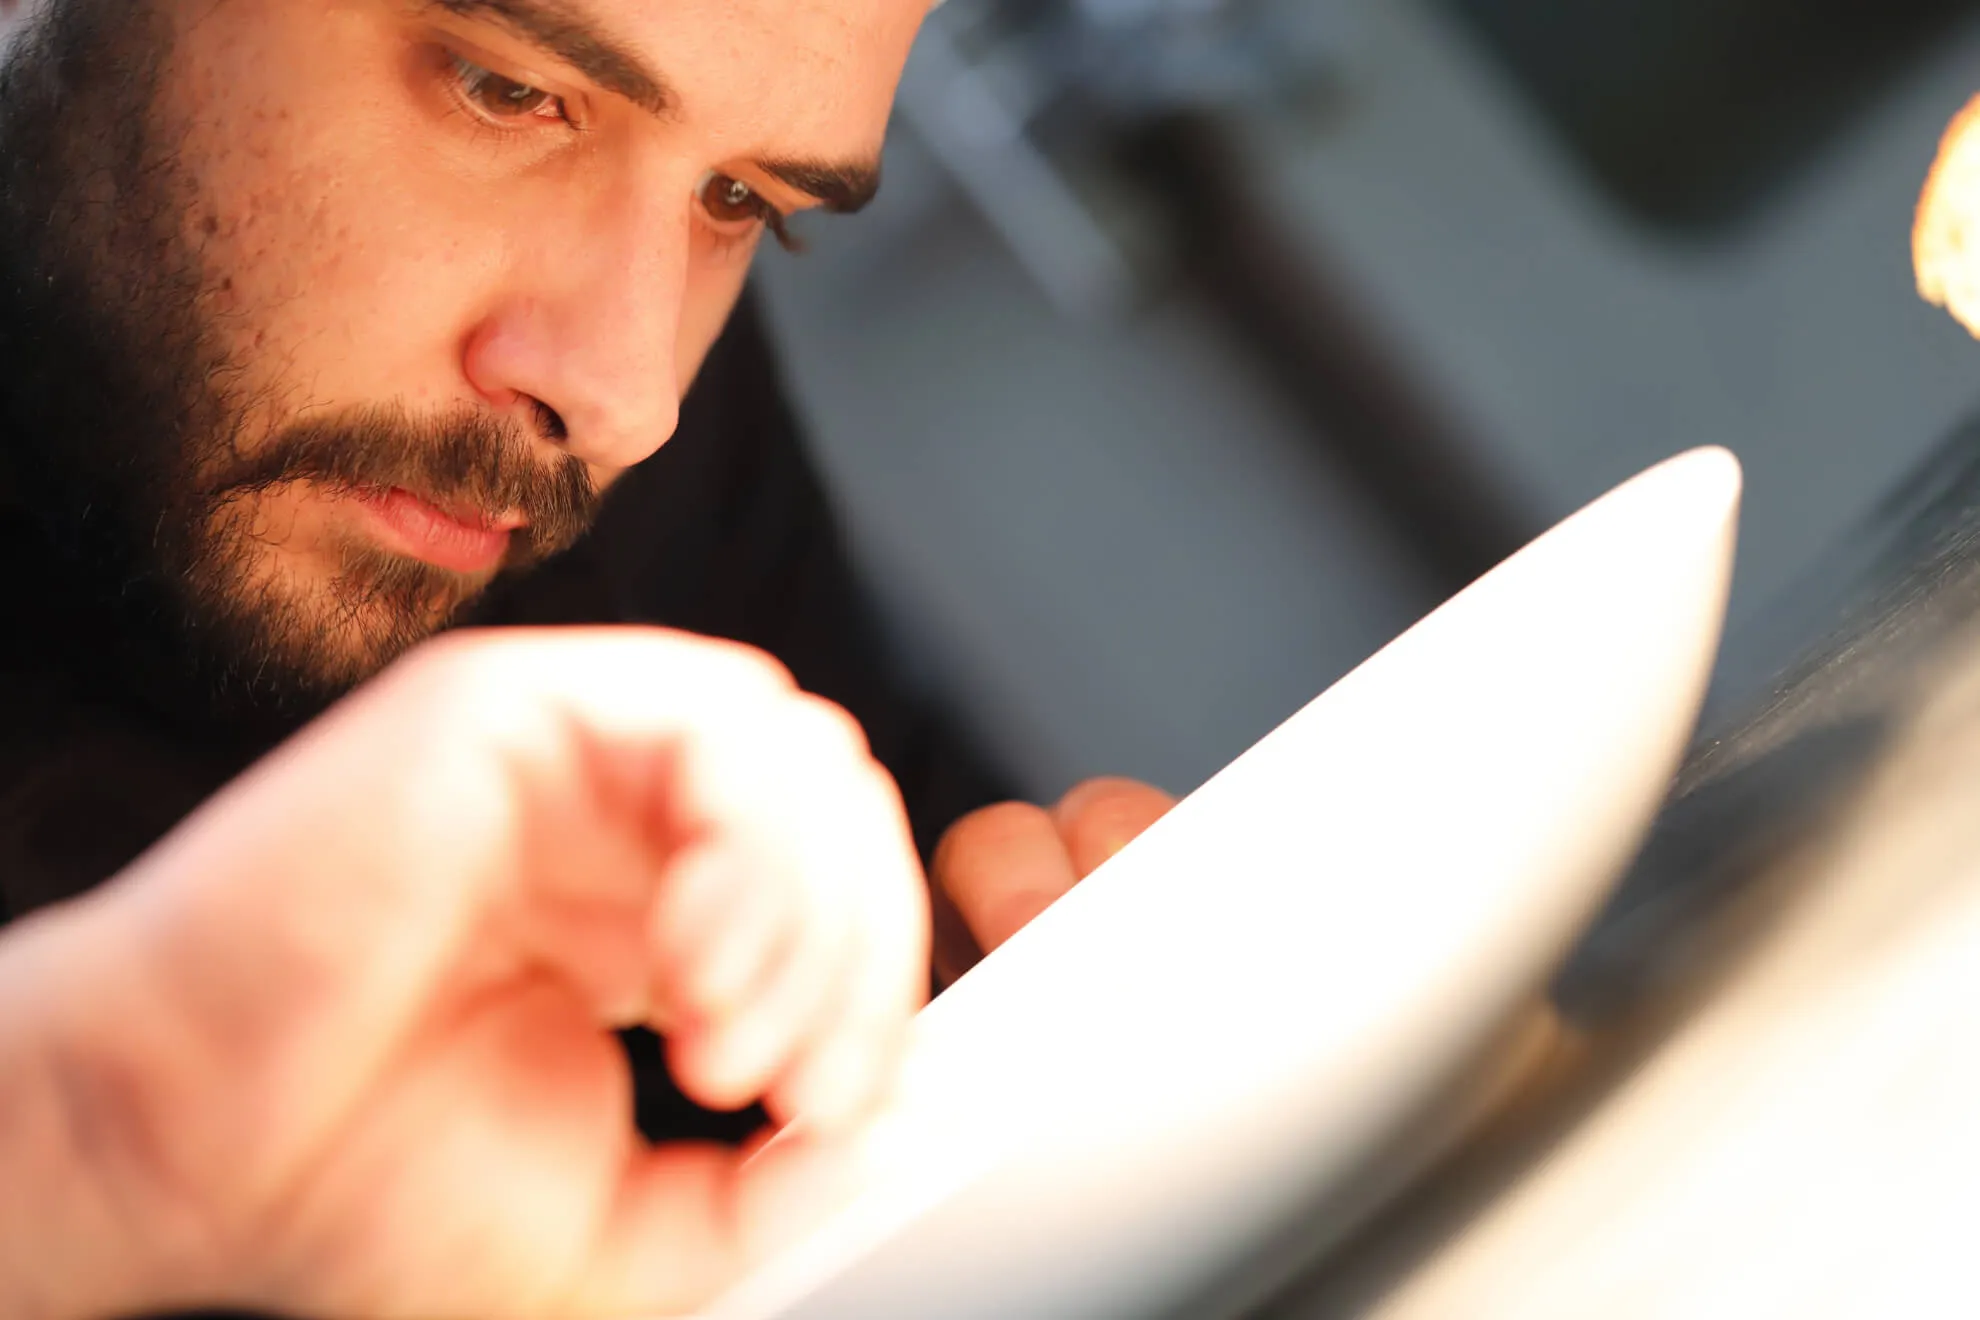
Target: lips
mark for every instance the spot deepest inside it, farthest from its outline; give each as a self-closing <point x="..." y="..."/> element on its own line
<point x="459" y="541"/>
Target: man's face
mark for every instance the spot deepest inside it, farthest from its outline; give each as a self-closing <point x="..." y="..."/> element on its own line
<point x="422" y="277"/>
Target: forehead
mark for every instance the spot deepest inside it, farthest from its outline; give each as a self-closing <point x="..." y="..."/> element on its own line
<point x="817" y="62"/>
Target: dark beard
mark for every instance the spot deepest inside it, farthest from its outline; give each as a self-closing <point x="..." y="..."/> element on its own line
<point x="380" y="604"/>
<point x="121" y="417"/>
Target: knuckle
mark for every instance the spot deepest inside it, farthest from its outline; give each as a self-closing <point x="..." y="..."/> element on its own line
<point x="438" y="681"/>
<point x="428" y="667"/>
<point x="751" y="665"/>
<point x="727" y="672"/>
<point x="834" y="721"/>
<point x="459" y="668"/>
<point x="827" y="734"/>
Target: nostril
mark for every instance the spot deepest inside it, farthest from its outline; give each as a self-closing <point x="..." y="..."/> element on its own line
<point x="550" y="423"/>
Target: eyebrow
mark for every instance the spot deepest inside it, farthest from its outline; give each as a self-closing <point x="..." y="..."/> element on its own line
<point x="570" y="36"/>
<point x="841" y="189"/>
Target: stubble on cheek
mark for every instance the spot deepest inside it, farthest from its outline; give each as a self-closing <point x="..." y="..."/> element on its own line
<point x="322" y="600"/>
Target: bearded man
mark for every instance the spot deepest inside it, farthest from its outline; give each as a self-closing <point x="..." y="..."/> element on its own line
<point x="330" y="324"/>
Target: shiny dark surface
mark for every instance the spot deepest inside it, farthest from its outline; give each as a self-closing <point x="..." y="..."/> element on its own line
<point x="1813" y="701"/>
<point x="1805" y="700"/>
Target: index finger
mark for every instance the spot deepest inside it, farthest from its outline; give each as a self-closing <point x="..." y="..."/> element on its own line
<point x="1000" y="867"/>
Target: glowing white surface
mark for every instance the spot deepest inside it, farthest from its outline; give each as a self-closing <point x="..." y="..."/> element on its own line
<point x="1220" y="1023"/>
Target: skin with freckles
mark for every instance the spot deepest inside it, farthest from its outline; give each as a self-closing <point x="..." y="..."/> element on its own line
<point x="389" y="236"/>
<point x="454" y="221"/>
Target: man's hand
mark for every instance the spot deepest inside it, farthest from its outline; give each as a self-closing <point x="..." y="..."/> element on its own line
<point x="341" y="1044"/>
<point x="999" y="867"/>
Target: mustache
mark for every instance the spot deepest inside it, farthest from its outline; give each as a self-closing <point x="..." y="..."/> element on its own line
<point x="463" y="460"/>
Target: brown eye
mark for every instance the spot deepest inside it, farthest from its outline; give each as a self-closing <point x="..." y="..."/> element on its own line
<point x="731" y="201"/>
<point x="503" y="98"/>
<point x="738" y="211"/>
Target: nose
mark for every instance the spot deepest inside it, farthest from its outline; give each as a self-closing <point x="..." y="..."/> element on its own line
<point x="586" y="327"/>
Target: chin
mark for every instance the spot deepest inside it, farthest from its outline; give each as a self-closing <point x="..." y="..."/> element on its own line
<point x="296" y="630"/>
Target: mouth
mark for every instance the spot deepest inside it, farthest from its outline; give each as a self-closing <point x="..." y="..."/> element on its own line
<point x="458" y="540"/>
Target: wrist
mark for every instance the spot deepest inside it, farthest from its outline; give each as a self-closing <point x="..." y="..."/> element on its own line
<point x="80" y="1232"/>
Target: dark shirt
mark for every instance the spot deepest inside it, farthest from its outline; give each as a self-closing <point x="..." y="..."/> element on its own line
<point x="726" y="531"/>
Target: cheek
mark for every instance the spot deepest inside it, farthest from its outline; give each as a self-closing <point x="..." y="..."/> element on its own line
<point x="334" y="267"/>
<point x="322" y="295"/>
<point x="712" y="294"/>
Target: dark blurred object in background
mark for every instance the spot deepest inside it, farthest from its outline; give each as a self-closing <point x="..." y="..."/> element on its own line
<point x="1020" y="100"/>
<point x="1691" y="111"/>
<point x="1196" y="347"/>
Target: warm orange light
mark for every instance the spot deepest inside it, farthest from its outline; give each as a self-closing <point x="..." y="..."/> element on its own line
<point x="1945" y="241"/>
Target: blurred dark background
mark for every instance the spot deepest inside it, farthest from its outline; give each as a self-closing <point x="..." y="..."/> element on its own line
<point x="1197" y="347"/>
